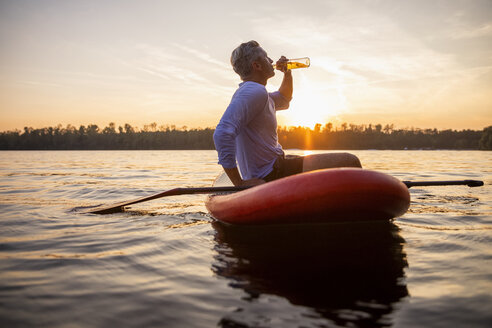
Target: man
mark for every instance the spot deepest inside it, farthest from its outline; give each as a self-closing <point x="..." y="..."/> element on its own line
<point x="247" y="132"/>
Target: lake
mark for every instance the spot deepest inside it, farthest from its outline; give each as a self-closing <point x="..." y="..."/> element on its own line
<point x="167" y="263"/>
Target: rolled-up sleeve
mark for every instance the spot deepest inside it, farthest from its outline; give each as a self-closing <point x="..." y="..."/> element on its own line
<point x="280" y="101"/>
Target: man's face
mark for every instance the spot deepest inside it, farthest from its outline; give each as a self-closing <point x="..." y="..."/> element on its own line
<point x="266" y="64"/>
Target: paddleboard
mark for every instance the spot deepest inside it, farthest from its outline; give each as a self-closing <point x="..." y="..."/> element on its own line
<point x="328" y="195"/>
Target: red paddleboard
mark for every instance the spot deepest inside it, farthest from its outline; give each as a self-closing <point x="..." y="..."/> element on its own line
<point x="329" y="195"/>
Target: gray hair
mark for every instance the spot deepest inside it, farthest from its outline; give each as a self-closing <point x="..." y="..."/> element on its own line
<point x="243" y="56"/>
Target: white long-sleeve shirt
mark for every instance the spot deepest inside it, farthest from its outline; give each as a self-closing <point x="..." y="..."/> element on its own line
<point x="247" y="132"/>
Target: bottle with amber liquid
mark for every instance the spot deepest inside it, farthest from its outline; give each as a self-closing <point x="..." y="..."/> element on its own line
<point x="297" y="63"/>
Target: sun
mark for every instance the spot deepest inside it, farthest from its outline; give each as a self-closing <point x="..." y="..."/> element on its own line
<point x="312" y="105"/>
<point x="307" y="115"/>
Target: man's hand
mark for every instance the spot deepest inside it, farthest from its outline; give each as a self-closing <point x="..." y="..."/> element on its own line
<point x="236" y="179"/>
<point x="281" y="64"/>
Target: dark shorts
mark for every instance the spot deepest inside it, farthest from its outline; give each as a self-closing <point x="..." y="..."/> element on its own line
<point x="284" y="166"/>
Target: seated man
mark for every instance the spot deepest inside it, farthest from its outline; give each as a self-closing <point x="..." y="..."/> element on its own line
<point x="247" y="132"/>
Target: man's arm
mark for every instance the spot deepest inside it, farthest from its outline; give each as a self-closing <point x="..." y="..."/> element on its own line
<point x="236" y="179"/>
<point x="286" y="88"/>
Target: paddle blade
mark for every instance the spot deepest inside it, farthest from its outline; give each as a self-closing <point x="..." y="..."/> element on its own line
<point x="104" y="209"/>
<point x="474" y="183"/>
<point x="119" y="207"/>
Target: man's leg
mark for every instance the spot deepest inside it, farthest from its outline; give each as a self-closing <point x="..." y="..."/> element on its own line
<point x="326" y="161"/>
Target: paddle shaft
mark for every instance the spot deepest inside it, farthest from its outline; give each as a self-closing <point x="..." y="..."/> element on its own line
<point x="118" y="207"/>
<point x="469" y="183"/>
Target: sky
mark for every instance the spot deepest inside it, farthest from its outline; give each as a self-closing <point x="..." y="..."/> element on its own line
<point x="419" y="63"/>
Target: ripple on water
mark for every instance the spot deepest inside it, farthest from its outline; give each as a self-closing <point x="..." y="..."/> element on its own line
<point x="166" y="263"/>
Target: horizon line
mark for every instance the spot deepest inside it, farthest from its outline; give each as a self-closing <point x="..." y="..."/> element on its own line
<point x="154" y="127"/>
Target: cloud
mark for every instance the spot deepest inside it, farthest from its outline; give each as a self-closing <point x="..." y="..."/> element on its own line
<point x="484" y="30"/>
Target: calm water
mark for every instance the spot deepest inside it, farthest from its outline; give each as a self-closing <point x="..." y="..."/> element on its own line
<point x="166" y="263"/>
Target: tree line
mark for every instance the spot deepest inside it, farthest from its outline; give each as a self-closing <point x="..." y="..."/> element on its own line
<point x="346" y="136"/>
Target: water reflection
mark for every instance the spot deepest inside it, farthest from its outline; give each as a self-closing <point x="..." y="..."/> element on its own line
<point x="346" y="273"/>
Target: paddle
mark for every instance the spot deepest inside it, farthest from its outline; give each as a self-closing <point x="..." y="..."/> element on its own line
<point x="118" y="207"/>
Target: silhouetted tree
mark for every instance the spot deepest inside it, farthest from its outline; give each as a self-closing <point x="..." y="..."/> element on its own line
<point x="347" y="136"/>
<point x="485" y="142"/>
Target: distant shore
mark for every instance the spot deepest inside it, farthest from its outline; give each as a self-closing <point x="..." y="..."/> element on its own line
<point x="321" y="137"/>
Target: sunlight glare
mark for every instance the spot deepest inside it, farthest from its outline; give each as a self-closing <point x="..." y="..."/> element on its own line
<point x="313" y="104"/>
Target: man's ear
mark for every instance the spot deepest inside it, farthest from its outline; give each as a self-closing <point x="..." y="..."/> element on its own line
<point x="256" y="65"/>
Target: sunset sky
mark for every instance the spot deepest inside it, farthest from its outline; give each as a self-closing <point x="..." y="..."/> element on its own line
<point x="409" y="63"/>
